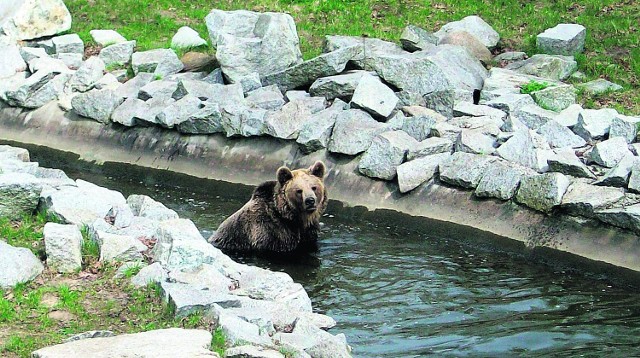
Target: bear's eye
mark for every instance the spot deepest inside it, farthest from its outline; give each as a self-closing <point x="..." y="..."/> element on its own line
<point x="314" y="188"/>
<point x="299" y="191"/>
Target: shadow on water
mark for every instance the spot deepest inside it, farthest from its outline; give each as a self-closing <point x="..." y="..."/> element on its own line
<point x="404" y="286"/>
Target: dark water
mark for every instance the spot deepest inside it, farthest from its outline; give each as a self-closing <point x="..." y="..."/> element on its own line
<point x="400" y="291"/>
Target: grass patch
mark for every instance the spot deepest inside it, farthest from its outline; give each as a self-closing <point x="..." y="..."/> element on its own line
<point x="90" y="248"/>
<point x="26" y="232"/>
<point x="533" y="86"/>
<point x="218" y="342"/>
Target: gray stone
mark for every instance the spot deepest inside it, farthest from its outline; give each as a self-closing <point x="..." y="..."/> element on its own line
<point x="599" y="86"/>
<point x="510" y="56"/>
<point x="160" y="62"/>
<point x="387" y="151"/>
<point x="88" y="335"/>
<point x="187" y="38"/>
<point x="105" y="38"/>
<point x="559" y="136"/>
<point x="353" y="132"/>
<point x="25" y="20"/>
<point x="511" y="103"/>
<point x="242" y="120"/>
<point x="249" y="351"/>
<point x="118" y="54"/>
<point x="634" y="178"/>
<point x="63" y="244"/>
<point x="293" y="95"/>
<point x="248" y="42"/>
<point x="430" y="146"/>
<point x="287" y="122"/>
<point x="187" y="299"/>
<point x="29" y="53"/>
<point x="127" y="112"/>
<point x="96" y="104"/>
<point x="469" y="42"/>
<point x="71" y="60"/>
<point x="158" y="89"/>
<point x="131" y="88"/>
<point x="17" y="93"/>
<point x="473" y="141"/>
<point x="618" y="176"/>
<point x="19" y="195"/>
<point x="563" y="39"/>
<point x="17" y="265"/>
<point x="80" y="205"/>
<point x="120" y="216"/>
<point x="8" y="152"/>
<point x="542" y="192"/>
<point x="420" y="127"/>
<point x="585" y="199"/>
<point x="179" y="111"/>
<point x="144" y="206"/>
<point x="520" y="149"/>
<point x="89" y="73"/>
<point x="501" y="180"/>
<point x="316" y="131"/>
<point x="469" y="109"/>
<point x="215" y="77"/>
<point x="475" y="26"/>
<point x="204" y="277"/>
<point x="625" y="127"/>
<point x="555" y="98"/>
<point x="369" y="48"/>
<point x="465" y="169"/>
<point x="626" y="217"/>
<point x="214" y="93"/>
<point x="566" y="162"/>
<point x="180" y="245"/>
<point x="269" y="98"/>
<point x="248" y="82"/>
<point x="534" y="116"/>
<point x="238" y="331"/>
<point x="414" y="38"/>
<point x="11" y="61"/>
<point x="340" y="86"/>
<point x="594" y="124"/>
<point x="206" y="120"/>
<point x="153" y="273"/>
<point x="122" y="248"/>
<point x="441" y="102"/>
<point x="546" y="66"/>
<point x="162" y="343"/>
<point x="374" y="97"/>
<point x="413" y="173"/>
<point x="446" y="131"/>
<point x="305" y="73"/>
<point x="609" y="152"/>
<point x="48" y="64"/>
<point x="68" y="43"/>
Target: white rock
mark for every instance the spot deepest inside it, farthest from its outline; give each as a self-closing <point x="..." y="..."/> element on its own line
<point x="63" y="244"/>
<point x="105" y="38"/>
<point x="34" y="19"/>
<point x="17" y="265"/>
<point x="187" y="37"/>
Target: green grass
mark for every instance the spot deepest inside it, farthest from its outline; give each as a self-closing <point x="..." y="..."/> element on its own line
<point x="612" y="46"/>
<point x="218" y="342"/>
<point x="26" y="232"/>
<point x="533" y="86"/>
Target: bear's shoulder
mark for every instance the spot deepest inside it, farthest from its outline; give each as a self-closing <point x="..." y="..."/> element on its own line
<point x="264" y="191"/>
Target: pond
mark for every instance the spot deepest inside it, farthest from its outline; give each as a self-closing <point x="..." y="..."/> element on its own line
<point x="402" y="289"/>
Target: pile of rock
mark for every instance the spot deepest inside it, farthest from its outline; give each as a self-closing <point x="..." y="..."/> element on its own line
<point x="259" y="308"/>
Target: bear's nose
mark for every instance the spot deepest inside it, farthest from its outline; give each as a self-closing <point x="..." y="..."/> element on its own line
<point x="310" y="201"/>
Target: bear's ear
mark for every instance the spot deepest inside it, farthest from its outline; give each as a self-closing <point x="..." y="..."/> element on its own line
<point x="284" y="175"/>
<point x="318" y="169"/>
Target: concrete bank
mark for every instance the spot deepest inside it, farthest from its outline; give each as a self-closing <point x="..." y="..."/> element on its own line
<point x="253" y="160"/>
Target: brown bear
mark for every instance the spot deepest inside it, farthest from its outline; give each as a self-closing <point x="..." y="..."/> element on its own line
<point x="281" y="216"/>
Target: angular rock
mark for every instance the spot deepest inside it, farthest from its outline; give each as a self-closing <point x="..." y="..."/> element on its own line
<point x="339" y="86"/>
<point x="465" y="169"/>
<point x="179" y="111"/>
<point x="90" y="72"/>
<point x="48" y="65"/>
<point x="559" y="136"/>
<point x="626" y="217"/>
<point x="554" y="67"/>
<point x="180" y="245"/>
<point x="162" y="343"/>
<point x="8" y="152"/>
<point x="187" y="37"/>
<point x="68" y="43"/>
<point x="414" y="38"/>
<point x="63" y="244"/>
<point x="520" y="149"/>
<point x="118" y="54"/>
<point x="293" y="95"/>
<point x="441" y="102"/>
<point x="625" y="127"/>
<point x="160" y="62"/>
<point x="509" y="56"/>
<point x="238" y="331"/>
<point x="11" y="61"/>
<point x="468" y="41"/>
<point x="610" y="152"/>
<point x="161" y="89"/>
<point x="96" y="104"/>
<point x="144" y="206"/>
<point x="305" y="73"/>
<point x="119" y="247"/>
<point x="250" y="42"/>
<point x="242" y="120"/>
<point x="206" y="120"/>
<point x="153" y="273"/>
<point x="585" y="199"/>
<point x="204" y="277"/>
<point x="71" y="60"/>
<point x="618" y="176"/>
<point x="533" y="116"/>
<point x="413" y="173"/>
<point x="106" y="38"/>
<point x="568" y="117"/>
<point x="29" y="53"/>
<point x="473" y="141"/>
<point x="542" y="192"/>
<point x="19" y="195"/>
<point x="501" y="180"/>
<point x="316" y="131"/>
<point x="446" y="131"/>
<point x="387" y="151"/>
<point x="430" y="146"/>
<point x="563" y="39"/>
<point x="469" y="109"/>
<point x="286" y="123"/>
<point x="594" y="124"/>
<point x="502" y="81"/>
<point x="634" y="178"/>
<point x="374" y="97"/>
<point x="555" y="98"/>
<point x="369" y="48"/>
<point x="353" y="132"/>
<point x="269" y="98"/>
<point x="566" y="162"/>
<point x="187" y="299"/>
<point x="17" y="265"/>
<point x="128" y="112"/>
<point x="475" y="26"/>
<point x="599" y="86"/>
<point x="420" y="127"/>
<point x="131" y="88"/>
<point x="33" y="19"/>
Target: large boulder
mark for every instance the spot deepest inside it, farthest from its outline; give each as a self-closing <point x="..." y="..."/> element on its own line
<point x="369" y="48"/>
<point x="179" y="111"/>
<point x="563" y="39"/>
<point x="414" y="38"/>
<point x="585" y="199"/>
<point x="96" y="104"/>
<point x="180" y="245"/>
<point x="269" y="98"/>
<point x="501" y="180"/>
<point x="206" y="120"/>
<point x="474" y="141"/>
<point x="387" y="151"/>
<point x="413" y="173"/>
<point x="470" y="42"/>
<point x="559" y="136"/>
<point x="625" y="127"/>
<point x="430" y="146"/>
<point x="555" y="98"/>
<point x="353" y="132"/>
<point x="610" y="152"/>
<point x="465" y="169"/>
<point x="547" y="66"/>
<point x="566" y="162"/>
<point x="249" y="42"/>
<point x="31" y="19"/>
<point x="90" y="72"/>
<point x="374" y="97"/>
<point x="339" y="86"/>
<point x="19" y="195"/>
<point x="542" y="192"/>
<point x="288" y="122"/>
<point x="618" y="176"/>
<point x="118" y="54"/>
<point x="316" y="131"/>
<point x="63" y="244"/>
<point x="520" y="149"/>
<point x="17" y="265"/>
<point x="242" y="120"/>
<point x="475" y="26"/>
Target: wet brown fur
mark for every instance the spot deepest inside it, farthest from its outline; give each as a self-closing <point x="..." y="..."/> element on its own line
<point x="275" y="218"/>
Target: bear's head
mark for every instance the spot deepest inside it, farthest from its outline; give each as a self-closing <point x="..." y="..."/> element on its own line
<point x="302" y="192"/>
